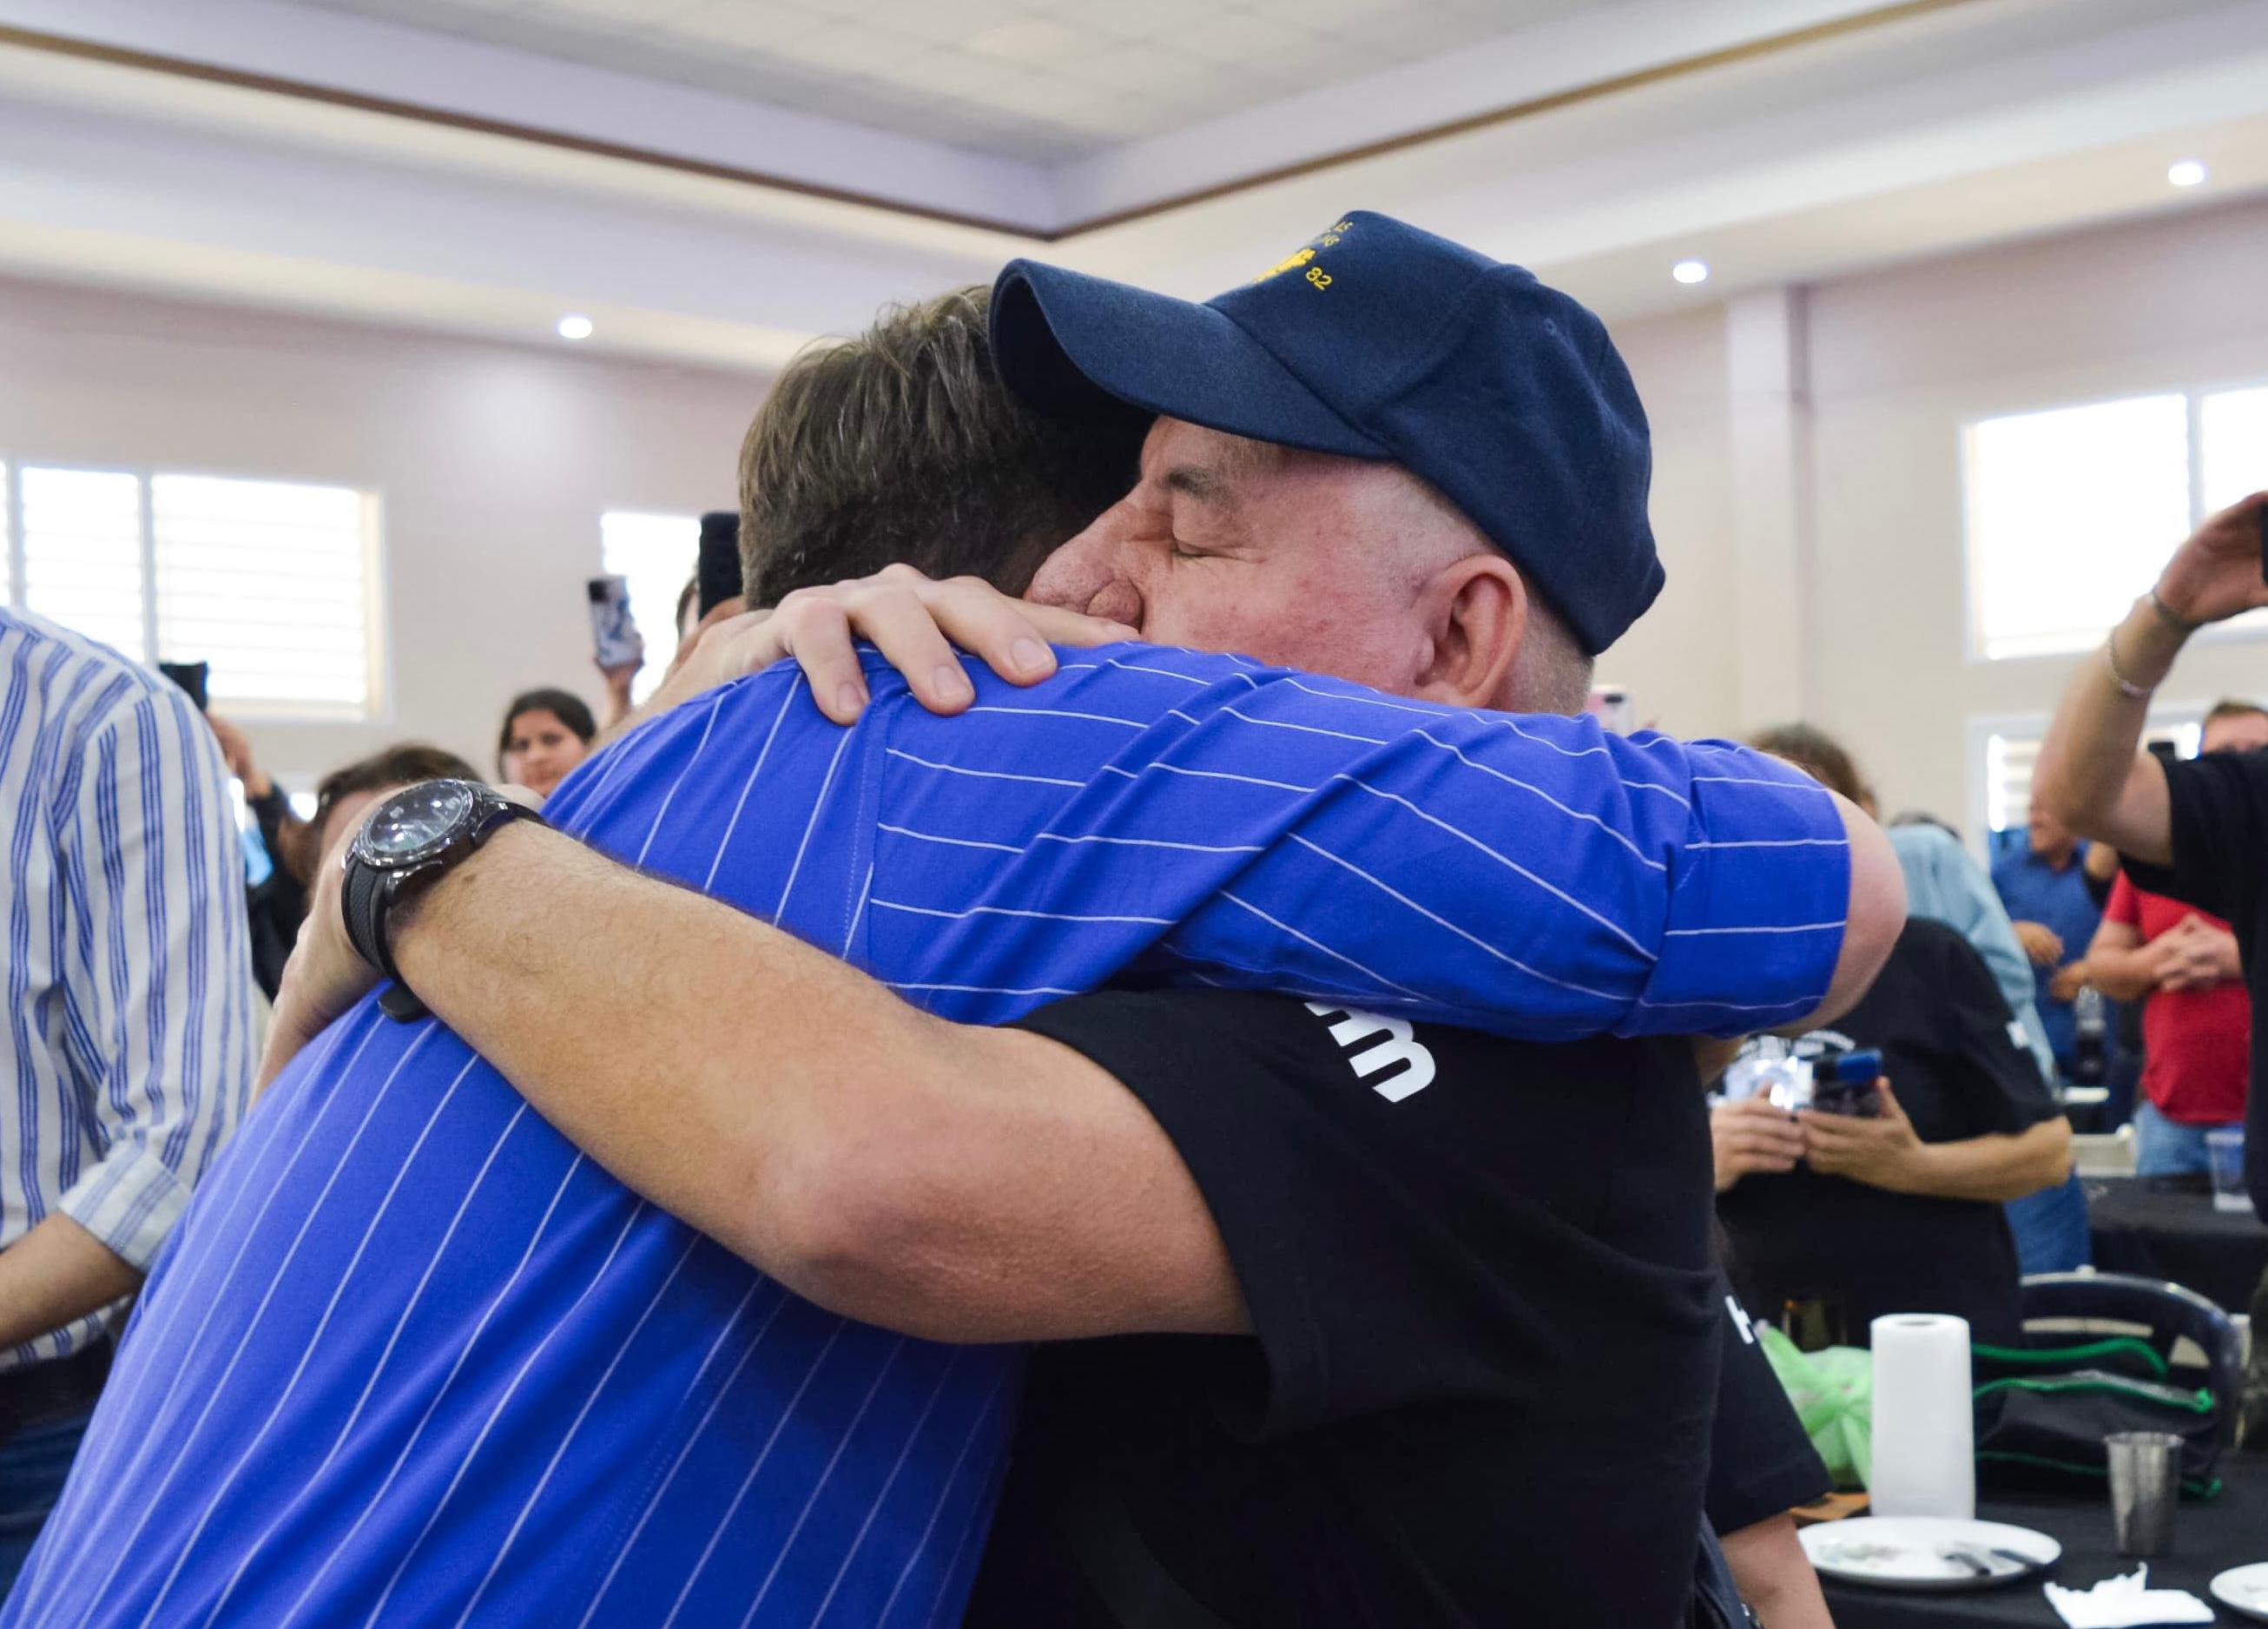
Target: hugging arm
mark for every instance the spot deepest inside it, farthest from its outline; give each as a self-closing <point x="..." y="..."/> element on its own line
<point x="974" y="1183"/>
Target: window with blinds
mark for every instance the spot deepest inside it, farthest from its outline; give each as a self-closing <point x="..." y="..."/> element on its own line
<point x="2011" y="753"/>
<point x="2072" y="512"/>
<point x="272" y="584"/>
<point x="657" y="553"/>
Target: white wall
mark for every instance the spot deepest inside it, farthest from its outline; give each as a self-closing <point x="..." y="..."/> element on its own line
<point x="493" y="463"/>
<point x="1678" y="662"/>
<point x="1899" y="361"/>
<point x="496" y="462"/>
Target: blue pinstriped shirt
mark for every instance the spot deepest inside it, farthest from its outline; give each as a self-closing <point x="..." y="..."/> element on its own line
<point x="129" y="1029"/>
<point x="414" y="1360"/>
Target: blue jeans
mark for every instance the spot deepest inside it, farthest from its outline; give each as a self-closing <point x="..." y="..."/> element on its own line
<point x="33" y="1465"/>
<point x="2164" y="1148"/>
<point x="2050" y="1228"/>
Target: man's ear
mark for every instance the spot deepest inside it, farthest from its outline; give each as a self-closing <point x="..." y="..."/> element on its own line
<point x="1477" y="616"/>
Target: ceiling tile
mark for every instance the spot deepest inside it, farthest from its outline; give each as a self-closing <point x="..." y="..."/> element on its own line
<point x="757" y="24"/>
<point x="1038" y="40"/>
<point x="1043" y="79"/>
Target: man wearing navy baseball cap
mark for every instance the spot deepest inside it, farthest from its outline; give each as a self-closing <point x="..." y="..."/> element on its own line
<point x="1378" y="360"/>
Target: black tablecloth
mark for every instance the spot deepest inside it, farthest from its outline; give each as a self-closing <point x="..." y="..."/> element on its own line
<point x="2209" y="1537"/>
<point x="2219" y="1254"/>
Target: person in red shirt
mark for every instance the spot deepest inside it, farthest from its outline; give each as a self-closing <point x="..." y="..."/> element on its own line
<point x="2197" y="1017"/>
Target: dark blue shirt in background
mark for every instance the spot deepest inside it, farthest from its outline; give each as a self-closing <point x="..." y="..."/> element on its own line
<point x="2035" y="891"/>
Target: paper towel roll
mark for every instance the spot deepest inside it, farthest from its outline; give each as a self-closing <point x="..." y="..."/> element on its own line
<point x="1925" y="1435"/>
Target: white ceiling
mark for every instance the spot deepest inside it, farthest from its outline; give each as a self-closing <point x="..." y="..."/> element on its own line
<point x="484" y="187"/>
<point x="1042" y="80"/>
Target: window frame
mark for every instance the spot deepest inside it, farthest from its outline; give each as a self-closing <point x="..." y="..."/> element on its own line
<point x="1979" y="730"/>
<point x="378" y="705"/>
<point x="2193" y="396"/>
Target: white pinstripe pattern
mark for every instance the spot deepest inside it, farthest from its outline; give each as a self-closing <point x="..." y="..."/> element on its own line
<point x="161" y="1311"/>
<point x="299" y="1369"/>
<point x="378" y="1611"/>
<point x="692" y="1439"/>
<point x="757" y="1469"/>
<point x="1289" y="932"/>
<point x="1507" y="862"/>
<point x="819" y="1485"/>
<point x="670" y="797"/>
<point x="725" y="843"/>
<point x="370" y="1506"/>
<point x="1399" y="897"/>
<point x="369" y="1382"/>
<point x="955" y="769"/>
<point x="1242" y="860"/>
<point x="181" y="1445"/>
<point x="551" y="1466"/>
<point x="1004" y="911"/>
<point x="951" y="1476"/>
<point x="126" y="1034"/>
<point x="882" y="1495"/>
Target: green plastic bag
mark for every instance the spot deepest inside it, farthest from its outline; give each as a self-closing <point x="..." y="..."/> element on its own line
<point x="1833" y="1392"/>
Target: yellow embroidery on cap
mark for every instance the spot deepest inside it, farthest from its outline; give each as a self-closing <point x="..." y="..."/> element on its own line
<point x="1289" y="263"/>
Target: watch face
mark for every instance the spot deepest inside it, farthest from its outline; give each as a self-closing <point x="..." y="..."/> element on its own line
<point x="413" y="824"/>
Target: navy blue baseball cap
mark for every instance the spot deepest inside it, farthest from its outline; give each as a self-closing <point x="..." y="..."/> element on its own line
<point x="1382" y="341"/>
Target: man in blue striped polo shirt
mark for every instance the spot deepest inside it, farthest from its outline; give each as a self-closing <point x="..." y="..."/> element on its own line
<point x="417" y="1360"/>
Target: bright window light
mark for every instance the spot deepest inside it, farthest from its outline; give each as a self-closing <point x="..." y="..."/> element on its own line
<point x="2071" y="514"/>
<point x="657" y="553"/>
<point x="270" y="583"/>
<point x="2232" y="446"/>
<point x="82" y="558"/>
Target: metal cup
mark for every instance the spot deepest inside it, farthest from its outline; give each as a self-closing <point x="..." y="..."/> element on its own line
<point x="2146" y="1485"/>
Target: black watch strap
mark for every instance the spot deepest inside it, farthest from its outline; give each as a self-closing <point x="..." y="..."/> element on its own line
<point x="369" y="893"/>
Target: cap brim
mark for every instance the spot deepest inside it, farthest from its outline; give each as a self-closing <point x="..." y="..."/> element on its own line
<point x="1080" y="347"/>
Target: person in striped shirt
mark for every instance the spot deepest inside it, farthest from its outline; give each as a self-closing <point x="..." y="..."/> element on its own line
<point x="129" y="1031"/>
<point x="418" y="1358"/>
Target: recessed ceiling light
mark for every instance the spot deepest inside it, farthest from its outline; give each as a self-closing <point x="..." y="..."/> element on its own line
<point x="574" y="325"/>
<point x="2188" y="172"/>
<point x="1690" y="271"/>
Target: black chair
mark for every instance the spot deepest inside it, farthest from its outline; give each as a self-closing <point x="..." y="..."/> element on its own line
<point x="2158" y="1313"/>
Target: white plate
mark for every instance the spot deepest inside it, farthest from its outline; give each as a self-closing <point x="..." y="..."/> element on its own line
<point x="2243" y="1590"/>
<point x="1907" y="1552"/>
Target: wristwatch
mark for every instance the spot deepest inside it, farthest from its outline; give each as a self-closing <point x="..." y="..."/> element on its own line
<point x="414" y="836"/>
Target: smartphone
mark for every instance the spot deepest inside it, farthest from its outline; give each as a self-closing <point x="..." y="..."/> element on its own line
<point x="719" y="568"/>
<point x="190" y="676"/>
<point x="1845" y="1084"/>
<point x="615" y="641"/>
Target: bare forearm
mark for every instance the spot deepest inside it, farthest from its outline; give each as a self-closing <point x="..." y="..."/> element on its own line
<point x="2089" y="772"/>
<point x="1997" y="1168"/>
<point x="2123" y="975"/>
<point x="952" y="1183"/>
<point x="53" y="1274"/>
<point x="1775" y="1576"/>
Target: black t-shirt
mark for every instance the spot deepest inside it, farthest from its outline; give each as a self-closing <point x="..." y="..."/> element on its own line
<point x="2219" y="808"/>
<point x="1960" y="1067"/>
<point x="1487" y="1329"/>
<point x="1761" y="1463"/>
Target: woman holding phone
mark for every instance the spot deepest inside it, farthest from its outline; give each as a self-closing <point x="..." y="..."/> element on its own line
<point x="1896" y="1207"/>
